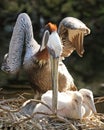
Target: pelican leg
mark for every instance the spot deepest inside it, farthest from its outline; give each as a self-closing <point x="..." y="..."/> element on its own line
<point x="54" y="74"/>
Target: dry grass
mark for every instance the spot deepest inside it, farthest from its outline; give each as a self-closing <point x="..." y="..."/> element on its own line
<point x="12" y="119"/>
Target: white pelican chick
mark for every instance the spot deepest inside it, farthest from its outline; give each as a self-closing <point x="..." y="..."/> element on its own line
<point x="88" y="102"/>
<point x="69" y="105"/>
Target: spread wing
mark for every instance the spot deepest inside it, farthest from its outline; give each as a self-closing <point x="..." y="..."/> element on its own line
<point x="72" y="31"/>
<point x="22" y="33"/>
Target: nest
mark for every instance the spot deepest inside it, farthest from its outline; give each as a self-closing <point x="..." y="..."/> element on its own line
<point x="11" y="119"/>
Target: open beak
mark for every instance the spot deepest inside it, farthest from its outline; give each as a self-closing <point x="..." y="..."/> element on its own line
<point x="54" y="74"/>
<point x="78" y="43"/>
<point x="76" y="37"/>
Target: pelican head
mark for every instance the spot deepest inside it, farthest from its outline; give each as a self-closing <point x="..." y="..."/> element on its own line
<point x="72" y="32"/>
<point x="74" y="105"/>
<point x="88" y="101"/>
<point x="54" y="43"/>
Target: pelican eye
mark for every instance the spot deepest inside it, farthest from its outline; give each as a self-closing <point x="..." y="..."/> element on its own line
<point x="88" y="96"/>
<point x="76" y="101"/>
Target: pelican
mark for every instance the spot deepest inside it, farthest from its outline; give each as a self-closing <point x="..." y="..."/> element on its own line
<point x="36" y="61"/>
<point x="88" y="102"/>
<point x="69" y="105"/>
<point x="55" y="49"/>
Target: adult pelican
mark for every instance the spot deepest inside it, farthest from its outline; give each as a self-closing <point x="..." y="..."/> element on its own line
<point x="36" y="61"/>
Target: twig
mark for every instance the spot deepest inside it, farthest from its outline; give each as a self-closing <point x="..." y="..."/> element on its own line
<point x="99" y="99"/>
<point x="65" y="120"/>
<point x="29" y="117"/>
<point x="39" y="101"/>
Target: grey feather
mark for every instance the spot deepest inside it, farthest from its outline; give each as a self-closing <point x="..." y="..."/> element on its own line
<point x="22" y="34"/>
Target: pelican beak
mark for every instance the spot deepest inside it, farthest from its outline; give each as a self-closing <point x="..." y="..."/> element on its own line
<point x="44" y="40"/>
<point x="92" y="106"/>
<point x="78" y="40"/>
<point x="55" y="48"/>
<point x="76" y="37"/>
<point x="54" y="74"/>
<point x="78" y="43"/>
<point x="79" y="112"/>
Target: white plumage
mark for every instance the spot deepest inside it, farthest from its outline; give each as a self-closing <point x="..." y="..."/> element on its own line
<point x="54" y="44"/>
<point x="88" y="102"/>
<point x="69" y="105"/>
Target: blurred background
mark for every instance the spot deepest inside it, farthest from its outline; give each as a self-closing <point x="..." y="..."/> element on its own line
<point x="87" y="71"/>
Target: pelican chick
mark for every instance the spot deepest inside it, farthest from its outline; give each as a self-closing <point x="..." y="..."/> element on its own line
<point x="88" y="102"/>
<point x="69" y="105"/>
